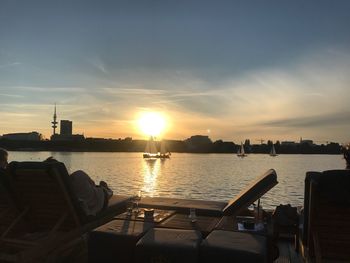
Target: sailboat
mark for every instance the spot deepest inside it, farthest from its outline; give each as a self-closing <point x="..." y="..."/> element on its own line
<point x="151" y="149"/>
<point x="273" y="151"/>
<point x="241" y="152"/>
<point x="163" y="151"/>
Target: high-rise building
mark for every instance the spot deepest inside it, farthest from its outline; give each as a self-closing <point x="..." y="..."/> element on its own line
<point x="54" y="122"/>
<point x="66" y="130"/>
<point x="66" y="127"/>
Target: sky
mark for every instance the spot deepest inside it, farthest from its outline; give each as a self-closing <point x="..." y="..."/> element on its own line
<point x="277" y="70"/>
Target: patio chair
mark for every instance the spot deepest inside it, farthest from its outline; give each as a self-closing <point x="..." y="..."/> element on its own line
<point x="231" y="246"/>
<point x="326" y="232"/>
<point x="251" y="193"/>
<point x="52" y="211"/>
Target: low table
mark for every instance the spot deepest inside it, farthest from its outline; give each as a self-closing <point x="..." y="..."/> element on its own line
<point x="159" y="216"/>
<point x="204" y="224"/>
<point x="235" y="223"/>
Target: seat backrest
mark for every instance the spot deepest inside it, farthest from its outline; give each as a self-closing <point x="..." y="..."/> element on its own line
<point x="327" y="213"/>
<point x="8" y="209"/>
<point x="252" y="193"/>
<point x="44" y="189"/>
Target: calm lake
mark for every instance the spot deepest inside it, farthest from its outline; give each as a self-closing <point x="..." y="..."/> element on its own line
<point x="198" y="176"/>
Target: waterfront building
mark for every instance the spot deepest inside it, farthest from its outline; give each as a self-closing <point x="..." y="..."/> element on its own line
<point x="66" y="127"/>
<point x="66" y="130"/>
<point x="71" y="137"/>
<point x="309" y="142"/>
<point x="288" y="143"/>
<point x="23" y="136"/>
<point x="198" y="143"/>
<point x="199" y="139"/>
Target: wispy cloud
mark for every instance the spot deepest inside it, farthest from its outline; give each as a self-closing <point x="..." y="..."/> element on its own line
<point x="10" y="65"/>
<point x="49" y="89"/>
<point x="131" y="91"/>
<point x="5" y="114"/>
<point x="98" y="64"/>
<point x="318" y="121"/>
<point x="11" y="95"/>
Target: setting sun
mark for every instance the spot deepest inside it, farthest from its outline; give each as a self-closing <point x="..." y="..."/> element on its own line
<point x="151" y="123"/>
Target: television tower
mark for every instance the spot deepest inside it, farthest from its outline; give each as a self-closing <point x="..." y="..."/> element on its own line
<point x="54" y="122"/>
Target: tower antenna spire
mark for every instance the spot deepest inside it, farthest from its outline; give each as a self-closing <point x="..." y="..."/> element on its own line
<point x="54" y="122"/>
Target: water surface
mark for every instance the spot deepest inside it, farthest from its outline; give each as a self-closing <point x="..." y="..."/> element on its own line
<point x="199" y="176"/>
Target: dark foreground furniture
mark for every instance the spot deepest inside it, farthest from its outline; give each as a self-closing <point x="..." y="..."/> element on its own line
<point x="116" y="241"/>
<point x="9" y="210"/>
<point x="251" y="193"/>
<point x="51" y="211"/>
<point x="168" y="245"/>
<point x="228" y="246"/>
<point x="326" y="233"/>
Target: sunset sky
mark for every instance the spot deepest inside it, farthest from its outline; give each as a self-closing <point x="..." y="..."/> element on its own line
<point x="228" y="69"/>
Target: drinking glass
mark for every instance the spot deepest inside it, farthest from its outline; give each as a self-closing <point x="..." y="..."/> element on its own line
<point x="129" y="207"/>
<point x="137" y="199"/>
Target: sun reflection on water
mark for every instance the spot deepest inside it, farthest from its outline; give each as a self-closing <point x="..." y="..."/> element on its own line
<point x="151" y="169"/>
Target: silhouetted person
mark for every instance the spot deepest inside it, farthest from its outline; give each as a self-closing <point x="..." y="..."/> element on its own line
<point x="346" y="153"/>
<point x="92" y="198"/>
<point x="3" y="164"/>
<point x="3" y="159"/>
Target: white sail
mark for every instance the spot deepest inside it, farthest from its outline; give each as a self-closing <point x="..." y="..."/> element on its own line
<point x="241" y="152"/>
<point x="273" y="151"/>
<point x="163" y="148"/>
<point x="147" y="149"/>
<point x="152" y="146"/>
<point x="242" y="149"/>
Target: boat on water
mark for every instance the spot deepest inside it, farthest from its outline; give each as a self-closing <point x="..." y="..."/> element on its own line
<point x="152" y="152"/>
<point x="164" y="153"/>
<point x="273" y="151"/>
<point x="241" y="153"/>
<point x="151" y="149"/>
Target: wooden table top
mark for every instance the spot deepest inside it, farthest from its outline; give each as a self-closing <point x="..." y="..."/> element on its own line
<point x="159" y="215"/>
<point x="204" y="224"/>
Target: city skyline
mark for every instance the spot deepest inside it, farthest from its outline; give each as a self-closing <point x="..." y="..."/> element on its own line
<point x="231" y="71"/>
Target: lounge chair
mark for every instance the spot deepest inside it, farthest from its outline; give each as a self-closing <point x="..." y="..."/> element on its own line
<point x="251" y="193"/>
<point x="10" y="214"/>
<point x="326" y="232"/>
<point x="52" y="211"/>
<point x="212" y="208"/>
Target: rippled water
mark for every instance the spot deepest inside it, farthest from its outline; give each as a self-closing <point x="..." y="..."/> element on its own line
<point x="199" y="176"/>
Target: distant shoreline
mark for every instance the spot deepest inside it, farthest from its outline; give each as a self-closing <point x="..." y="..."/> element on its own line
<point x="206" y="153"/>
<point x="129" y="145"/>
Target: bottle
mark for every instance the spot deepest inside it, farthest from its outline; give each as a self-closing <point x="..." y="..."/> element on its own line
<point x="192" y="215"/>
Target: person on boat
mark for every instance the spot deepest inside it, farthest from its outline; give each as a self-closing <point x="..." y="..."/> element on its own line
<point x="3" y="164"/>
<point x="93" y="198"/>
<point x="346" y="153"/>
